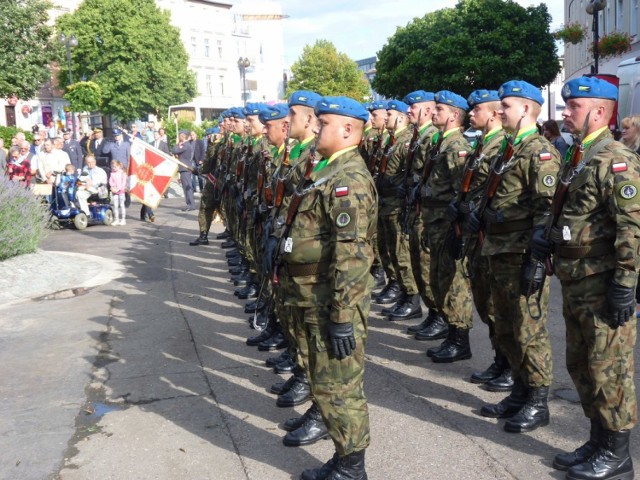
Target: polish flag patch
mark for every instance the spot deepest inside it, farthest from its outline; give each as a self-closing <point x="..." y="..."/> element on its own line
<point x="619" y="167"/>
<point x="545" y="156"/>
<point x="462" y="154"/>
<point x="342" y="191"/>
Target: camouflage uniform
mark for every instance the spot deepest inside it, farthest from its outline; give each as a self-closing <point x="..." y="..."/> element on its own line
<point x="602" y="214"/>
<point x="391" y="239"/>
<point x="522" y="198"/>
<point x="250" y="185"/>
<point x="330" y="282"/>
<point x="450" y="287"/>
<point x="208" y="198"/>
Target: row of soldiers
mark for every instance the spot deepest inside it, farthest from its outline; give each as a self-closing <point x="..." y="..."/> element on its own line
<point x="324" y="198"/>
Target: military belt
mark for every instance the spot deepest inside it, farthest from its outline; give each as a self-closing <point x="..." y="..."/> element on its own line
<point x="510" y="227"/>
<point x="587" y="251"/>
<point x="428" y="203"/>
<point x="307" y="269"/>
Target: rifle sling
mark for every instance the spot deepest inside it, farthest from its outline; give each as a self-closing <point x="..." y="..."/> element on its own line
<point x="586" y="251"/>
<point x="307" y="269"/>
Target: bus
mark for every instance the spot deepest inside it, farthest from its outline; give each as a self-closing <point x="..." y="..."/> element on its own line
<point x="193" y="113"/>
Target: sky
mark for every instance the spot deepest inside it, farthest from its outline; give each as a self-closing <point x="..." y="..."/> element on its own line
<point x="360" y="28"/>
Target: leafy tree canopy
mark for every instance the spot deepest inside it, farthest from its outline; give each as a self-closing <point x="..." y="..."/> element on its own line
<point x="324" y="70"/>
<point x="477" y="44"/>
<point x="132" y="52"/>
<point x="25" y="52"/>
<point x="84" y="96"/>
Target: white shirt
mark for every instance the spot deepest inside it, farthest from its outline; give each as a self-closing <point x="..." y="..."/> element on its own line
<point x="49" y="163"/>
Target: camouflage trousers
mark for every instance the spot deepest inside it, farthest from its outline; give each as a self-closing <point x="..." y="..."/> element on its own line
<point x="523" y="340"/>
<point x="337" y="386"/>
<point x="421" y="260"/>
<point x="451" y="289"/>
<point x="599" y="358"/>
<point x="207" y="208"/>
<point x="391" y="238"/>
<point x="480" y="278"/>
<point x="382" y="249"/>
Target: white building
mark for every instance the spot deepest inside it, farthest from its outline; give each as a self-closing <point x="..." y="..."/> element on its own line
<point x="216" y="34"/>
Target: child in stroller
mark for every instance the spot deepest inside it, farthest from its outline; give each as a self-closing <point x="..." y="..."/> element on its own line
<point x="67" y="186"/>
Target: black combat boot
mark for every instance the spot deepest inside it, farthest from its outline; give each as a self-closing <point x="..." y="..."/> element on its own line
<point x="274" y="342"/>
<point x="433" y="350"/>
<point x="564" y="461"/>
<point x="349" y="467"/>
<point x="438" y="328"/>
<point x="321" y="473"/>
<point x="510" y="405"/>
<point x="286" y="366"/>
<point x="610" y="461"/>
<point x="378" y="276"/>
<point x="399" y="301"/>
<point x="504" y="383"/>
<point x="296" y="422"/>
<point x="251" y="290"/>
<point x="238" y="269"/>
<point x="273" y="361"/>
<point x="534" y="413"/>
<point x="498" y="366"/>
<point x="457" y="349"/>
<point x="201" y="240"/>
<point x="410" y="308"/>
<point x="236" y="261"/>
<point x="309" y="431"/>
<point x="266" y="333"/>
<point x="255" y="306"/>
<point x="229" y="244"/>
<point x="258" y="321"/>
<point x="283" y="387"/>
<point x="232" y="253"/>
<point x="424" y="324"/>
<point x="389" y="294"/>
<point x="224" y="235"/>
<point x="242" y="279"/>
<point x="299" y="392"/>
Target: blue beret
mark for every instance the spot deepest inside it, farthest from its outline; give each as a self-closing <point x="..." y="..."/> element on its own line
<point x="253" y="108"/>
<point x="304" y="98"/>
<point x="345" y="106"/>
<point x="236" y="112"/>
<point x="398" y="106"/>
<point x="377" y="106"/>
<point x="274" y="112"/>
<point x="589" y="87"/>
<point x="418" y="96"/>
<point x="451" y="99"/>
<point x="117" y="131"/>
<point x="482" y="96"/>
<point x="522" y="89"/>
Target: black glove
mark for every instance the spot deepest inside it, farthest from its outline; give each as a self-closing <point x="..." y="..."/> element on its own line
<point x="473" y="223"/>
<point x="270" y="247"/>
<point x="532" y="277"/>
<point x="194" y="171"/>
<point x="342" y="340"/>
<point x="453" y="212"/>
<point x="414" y="195"/>
<point x="540" y="246"/>
<point x="622" y="304"/>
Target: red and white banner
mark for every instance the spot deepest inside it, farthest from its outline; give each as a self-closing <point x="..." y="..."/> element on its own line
<point x="150" y="172"/>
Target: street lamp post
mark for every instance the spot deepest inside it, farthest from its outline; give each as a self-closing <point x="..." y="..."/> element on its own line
<point x="243" y="64"/>
<point x="592" y="8"/>
<point x="69" y="43"/>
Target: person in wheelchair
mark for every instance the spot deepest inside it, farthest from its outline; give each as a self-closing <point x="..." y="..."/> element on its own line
<point x="67" y="186"/>
<point x="92" y="185"/>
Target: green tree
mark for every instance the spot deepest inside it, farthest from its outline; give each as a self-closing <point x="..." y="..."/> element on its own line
<point x="84" y="96"/>
<point x="25" y="52"/>
<point x="324" y="70"/>
<point x="476" y="44"/>
<point x="132" y="52"/>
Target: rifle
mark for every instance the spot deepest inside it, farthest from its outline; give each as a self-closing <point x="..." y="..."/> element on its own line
<point x="493" y="182"/>
<point x="241" y="160"/>
<point x="567" y="174"/>
<point x="279" y="197"/>
<point x="408" y="175"/>
<point x="373" y="161"/>
<point x="434" y="151"/>
<point x="296" y="199"/>
<point x="384" y="159"/>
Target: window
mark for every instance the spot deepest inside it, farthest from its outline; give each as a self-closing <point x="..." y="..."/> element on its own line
<point x="221" y="80"/>
<point x="633" y="28"/>
<point x="220" y="49"/>
<point x="619" y="12"/>
<point x="194" y="46"/>
<point x="208" y="86"/>
<point x="206" y="47"/>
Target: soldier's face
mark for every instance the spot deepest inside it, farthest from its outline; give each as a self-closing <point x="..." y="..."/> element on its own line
<point x="276" y="131"/>
<point x="442" y="115"/>
<point x="391" y="119"/>
<point x="511" y="111"/>
<point x="255" y="127"/>
<point x="422" y="111"/>
<point x="378" y="118"/>
<point x="298" y="121"/>
<point x="238" y="126"/>
<point x="479" y="115"/>
<point x="575" y="112"/>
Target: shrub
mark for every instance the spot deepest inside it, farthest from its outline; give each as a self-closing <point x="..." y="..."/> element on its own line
<point x="23" y="220"/>
<point x="7" y="132"/>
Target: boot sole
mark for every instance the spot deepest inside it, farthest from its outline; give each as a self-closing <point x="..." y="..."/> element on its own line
<point x="518" y="429"/>
<point x="393" y="318"/>
<point x="450" y="359"/>
<point x="621" y="476"/>
<point x="307" y="442"/>
<point x="562" y="468"/>
<point x="280" y="404"/>
<point x="498" y="389"/>
<point x="434" y="337"/>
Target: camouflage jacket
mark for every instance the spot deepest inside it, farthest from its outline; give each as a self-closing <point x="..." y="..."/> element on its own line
<point x="368" y="143"/>
<point x="424" y="144"/>
<point x="523" y="196"/>
<point x="330" y="238"/>
<point x="390" y="186"/>
<point x="490" y="149"/>
<point x="602" y="208"/>
<point x="445" y="178"/>
<point x="252" y="168"/>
